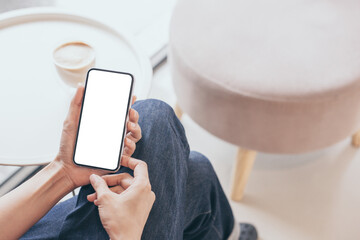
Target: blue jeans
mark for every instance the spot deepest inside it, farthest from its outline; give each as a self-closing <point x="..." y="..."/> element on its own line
<point x="190" y="203"/>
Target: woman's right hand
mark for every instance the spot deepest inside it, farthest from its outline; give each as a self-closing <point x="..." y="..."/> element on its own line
<point x="125" y="206"/>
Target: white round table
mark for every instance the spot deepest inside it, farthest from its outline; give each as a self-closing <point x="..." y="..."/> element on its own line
<point x="33" y="99"/>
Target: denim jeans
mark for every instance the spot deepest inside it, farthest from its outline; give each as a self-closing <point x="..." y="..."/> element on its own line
<point x="190" y="203"/>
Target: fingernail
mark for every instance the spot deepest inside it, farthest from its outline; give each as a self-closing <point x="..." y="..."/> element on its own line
<point x="133" y="125"/>
<point x="128" y="140"/>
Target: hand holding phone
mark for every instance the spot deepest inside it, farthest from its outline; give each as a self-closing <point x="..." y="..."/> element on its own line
<point x="78" y="175"/>
<point x="102" y="123"/>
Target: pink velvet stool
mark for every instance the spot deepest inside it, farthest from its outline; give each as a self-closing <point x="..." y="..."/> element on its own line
<point x="271" y="76"/>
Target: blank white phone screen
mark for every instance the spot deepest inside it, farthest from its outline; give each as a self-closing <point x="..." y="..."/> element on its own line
<point x="103" y="117"/>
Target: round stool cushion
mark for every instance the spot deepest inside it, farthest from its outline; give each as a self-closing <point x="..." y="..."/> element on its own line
<point x="273" y="76"/>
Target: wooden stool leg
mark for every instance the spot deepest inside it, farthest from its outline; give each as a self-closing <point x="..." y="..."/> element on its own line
<point x="178" y="111"/>
<point x="356" y="139"/>
<point x="243" y="165"/>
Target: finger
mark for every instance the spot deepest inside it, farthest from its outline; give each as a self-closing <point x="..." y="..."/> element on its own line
<point x="99" y="184"/>
<point x="127" y="152"/>
<point x="91" y="197"/>
<point x="140" y="167"/>
<point x="133" y="116"/>
<point x="117" y="189"/>
<point x="129" y="136"/>
<point x="116" y="179"/>
<point x="133" y="100"/>
<point x="123" y="180"/>
<point x="132" y="125"/>
<point x="130" y="146"/>
<point x="134" y="130"/>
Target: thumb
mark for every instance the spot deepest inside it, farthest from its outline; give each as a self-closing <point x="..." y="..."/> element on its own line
<point x="99" y="184"/>
<point x="77" y="100"/>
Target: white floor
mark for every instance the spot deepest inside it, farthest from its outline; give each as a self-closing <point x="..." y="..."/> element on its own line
<point x="307" y="196"/>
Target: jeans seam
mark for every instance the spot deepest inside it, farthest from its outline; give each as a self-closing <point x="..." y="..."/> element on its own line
<point x="213" y="226"/>
<point x="212" y="222"/>
<point x="200" y="215"/>
<point x="180" y="137"/>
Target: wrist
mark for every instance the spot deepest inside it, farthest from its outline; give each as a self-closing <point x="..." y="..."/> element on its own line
<point x="123" y="235"/>
<point x="58" y="166"/>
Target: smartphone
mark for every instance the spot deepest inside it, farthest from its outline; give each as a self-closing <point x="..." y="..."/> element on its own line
<point x="102" y="123"/>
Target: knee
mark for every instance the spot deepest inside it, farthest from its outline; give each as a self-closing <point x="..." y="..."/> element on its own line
<point x="156" y="117"/>
<point x="155" y="109"/>
<point x="199" y="158"/>
<point x="162" y="132"/>
<point x="200" y="166"/>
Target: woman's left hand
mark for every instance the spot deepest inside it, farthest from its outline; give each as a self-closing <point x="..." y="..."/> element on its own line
<point x="79" y="176"/>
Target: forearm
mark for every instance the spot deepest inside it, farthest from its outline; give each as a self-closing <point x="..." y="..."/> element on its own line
<point x="24" y="206"/>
